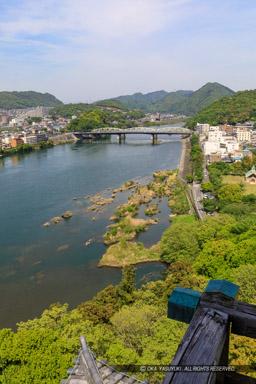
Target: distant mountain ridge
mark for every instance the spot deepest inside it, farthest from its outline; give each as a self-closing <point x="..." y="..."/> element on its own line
<point x="180" y="102"/>
<point x="27" y="99"/>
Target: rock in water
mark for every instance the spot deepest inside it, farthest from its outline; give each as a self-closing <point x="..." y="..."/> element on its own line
<point x="56" y="219"/>
<point x="67" y="215"/>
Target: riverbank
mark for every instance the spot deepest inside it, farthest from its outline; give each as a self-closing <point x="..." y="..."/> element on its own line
<point x="185" y="166"/>
<point x="26" y="148"/>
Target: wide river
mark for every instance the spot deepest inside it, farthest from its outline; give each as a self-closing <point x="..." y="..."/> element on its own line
<point x="39" y="265"/>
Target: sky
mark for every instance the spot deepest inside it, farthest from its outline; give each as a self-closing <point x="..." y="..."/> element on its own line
<point x="88" y="50"/>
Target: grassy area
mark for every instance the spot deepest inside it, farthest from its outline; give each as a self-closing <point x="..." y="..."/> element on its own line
<point x="184" y="219"/>
<point x="152" y="210"/>
<point x="248" y="188"/>
<point x="126" y="229"/>
<point x="126" y="253"/>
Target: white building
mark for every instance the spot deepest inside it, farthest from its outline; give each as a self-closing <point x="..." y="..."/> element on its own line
<point x="243" y="135"/>
<point x="32" y="139"/>
<point x="224" y="146"/>
<point x="211" y="147"/>
<point x="203" y="128"/>
<point x="215" y="135"/>
<point x="6" y="140"/>
<point x="17" y="121"/>
<point x="36" y="112"/>
<point x="232" y="146"/>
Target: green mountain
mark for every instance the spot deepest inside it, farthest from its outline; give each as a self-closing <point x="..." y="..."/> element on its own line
<point x="179" y="102"/>
<point x="109" y="104"/>
<point x="171" y="103"/>
<point x="140" y="101"/>
<point x="27" y="99"/>
<point x="237" y="108"/>
<point x="203" y="97"/>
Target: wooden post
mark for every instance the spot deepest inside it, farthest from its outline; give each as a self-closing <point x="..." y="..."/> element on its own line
<point x="201" y="346"/>
<point x="206" y="341"/>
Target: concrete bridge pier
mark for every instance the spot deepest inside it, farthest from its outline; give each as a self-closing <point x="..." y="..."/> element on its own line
<point x="154" y="138"/>
<point x="121" y="137"/>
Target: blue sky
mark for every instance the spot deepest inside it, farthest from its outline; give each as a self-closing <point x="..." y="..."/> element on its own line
<point x="86" y="50"/>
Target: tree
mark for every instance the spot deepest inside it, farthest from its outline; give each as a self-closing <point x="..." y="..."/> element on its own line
<point x="250" y="199"/>
<point x="214" y="228"/>
<point x="209" y="204"/>
<point x="190" y="178"/>
<point x="245" y="277"/>
<point x="180" y="243"/>
<point x="231" y="192"/>
<point x="126" y="289"/>
<point x="215" y="260"/>
<point x="102" y="307"/>
<point x="237" y="210"/>
<point x="207" y="187"/>
<point x="182" y="274"/>
<point x="133" y="323"/>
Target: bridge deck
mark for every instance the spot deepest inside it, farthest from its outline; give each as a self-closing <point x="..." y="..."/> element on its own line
<point x="129" y="131"/>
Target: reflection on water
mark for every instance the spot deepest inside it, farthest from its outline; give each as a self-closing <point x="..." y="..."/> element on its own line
<point x="41" y="265"/>
<point x="15" y="159"/>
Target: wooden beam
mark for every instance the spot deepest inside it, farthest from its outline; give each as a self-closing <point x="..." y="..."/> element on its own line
<point x="241" y="315"/>
<point x="202" y="345"/>
<point x="237" y="378"/>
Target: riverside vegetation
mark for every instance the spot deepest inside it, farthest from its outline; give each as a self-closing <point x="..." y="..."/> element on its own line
<point x="25" y="148"/>
<point x="126" y="325"/>
<point x="122" y="250"/>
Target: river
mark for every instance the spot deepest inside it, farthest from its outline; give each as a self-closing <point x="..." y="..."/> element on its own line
<point x="39" y="265"/>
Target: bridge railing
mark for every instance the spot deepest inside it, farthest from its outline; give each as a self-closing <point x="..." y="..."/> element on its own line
<point x="137" y="130"/>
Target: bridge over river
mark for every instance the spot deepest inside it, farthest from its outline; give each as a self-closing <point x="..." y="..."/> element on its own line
<point x="121" y="133"/>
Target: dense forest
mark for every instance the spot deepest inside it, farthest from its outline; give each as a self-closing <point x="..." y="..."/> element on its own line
<point x="179" y="102"/>
<point x="22" y="100"/>
<point x="127" y="325"/>
<point x="237" y="108"/>
<point x="97" y="118"/>
<point x="69" y="110"/>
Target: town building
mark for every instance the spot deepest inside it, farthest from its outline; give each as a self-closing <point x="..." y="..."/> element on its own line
<point x="215" y="134"/>
<point x="215" y="157"/>
<point x="34" y="139"/>
<point x="17" y="121"/>
<point x="203" y="128"/>
<point x="15" y="141"/>
<point x="36" y="112"/>
<point x="229" y="129"/>
<point x="243" y="134"/>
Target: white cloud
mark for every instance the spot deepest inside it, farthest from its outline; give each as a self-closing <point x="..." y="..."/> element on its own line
<point x="91" y="49"/>
<point x="112" y="18"/>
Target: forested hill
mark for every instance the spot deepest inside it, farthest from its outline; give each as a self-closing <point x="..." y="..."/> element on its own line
<point x="15" y="100"/>
<point x="239" y="107"/>
<point x="145" y="102"/>
<point x="179" y="102"/>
